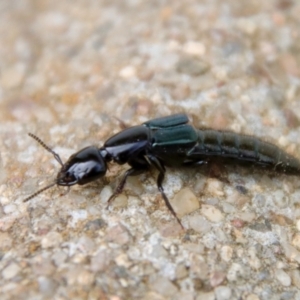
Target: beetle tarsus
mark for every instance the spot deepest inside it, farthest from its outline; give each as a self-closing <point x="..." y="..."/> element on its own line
<point x="120" y="187"/>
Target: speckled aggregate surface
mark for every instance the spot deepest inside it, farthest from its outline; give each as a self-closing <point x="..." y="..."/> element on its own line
<point x="69" y="71"/>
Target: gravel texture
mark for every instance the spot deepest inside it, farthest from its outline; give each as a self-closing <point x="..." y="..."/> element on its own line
<point x="70" y="71"/>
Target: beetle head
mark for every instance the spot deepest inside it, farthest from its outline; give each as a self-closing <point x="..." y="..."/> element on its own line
<point x="82" y="167"/>
<point x="85" y="166"/>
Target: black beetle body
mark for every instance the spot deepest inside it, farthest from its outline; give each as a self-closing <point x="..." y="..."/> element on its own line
<point x="169" y="141"/>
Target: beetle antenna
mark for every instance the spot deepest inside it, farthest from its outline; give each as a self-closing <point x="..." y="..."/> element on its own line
<point x="40" y="191"/>
<point x="56" y="156"/>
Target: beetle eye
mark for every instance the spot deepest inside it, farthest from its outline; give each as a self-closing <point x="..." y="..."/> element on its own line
<point x="69" y="177"/>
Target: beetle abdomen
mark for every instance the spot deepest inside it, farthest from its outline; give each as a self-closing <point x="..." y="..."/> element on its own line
<point x="243" y="148"/>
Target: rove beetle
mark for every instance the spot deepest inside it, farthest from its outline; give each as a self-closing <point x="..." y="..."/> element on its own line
<point x="168" y="141"/>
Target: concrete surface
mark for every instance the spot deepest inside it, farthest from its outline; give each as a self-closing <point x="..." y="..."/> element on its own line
<point x="69" y="71"/>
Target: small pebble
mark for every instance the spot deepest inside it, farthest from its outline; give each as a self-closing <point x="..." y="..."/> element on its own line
<point x="134" y="185"/>
<point x="51" y="239"/>
<point x="6" y="222"/>
<point x="206" y="296"/>
<point x="223" y="293"/>
<point x="94" y="225"/>
<point x="120" y="201"/>
<point x="105" y="193"/>
<point x="59" y="257"/>
<point x="228" y="208"/>
<point x="185" y="202"/>
<point x="215" y="187"/>
<point x="254" y="263"/>
<point x="77" y="216"/>
<point x="86" y="244"/>
<point x="199" y="224"/>
<point x="123" y="260"/>
<point x="296" y="278"/>
<point x="280" y="219"/>
<point x="43" y="266"/>
<point x="247" y="26"/>
<point x="184" y="295"/>
<point x="100" y="261"/>
<point x="298" y="225"/>
<point x="10" y="208"/>
<point x="291" y="252"/>
<point x="263" y="275"/>
<point x="252" y="297"/>
<point x="192" y="66"/>
<point x="159" y="251"/>
<point x="148" y="296"/>
<point x="11" y="271"/>
<point x="164" y="286"/>
<point x="118" y="234"/>
<point x="246" y="216"/>
<point x="85" y="278"/>
<point x="199" y="185"/>
<point x="259" y="200"/>
<point x="239" y="237"/>
<point x="288" y="295"/>
<point x="216" y="278"/>
<point x="3" y="200"/>
<point x="78" y="257"/>
<point x="199" y="268"/>
<point x="170" y="229"/>
<point x="260" y="227"/>
<point x="5" y="240"/>
<point x="181" y="271"/>
<point x="283" y="277"/>
<point x="296" y="241"/>
<point x="280" y="264"/>
<point x="78" y="276"/>
<point x="47" y="286"/>
<point x="226" y="253"/>
<point x="128" y="72"/>
<point x="253" y="260"/>
<point x="241" y="189"/>
<point x="11" y="78"/>
<point x="237" y="223"/>
<point x="280" y="199"/>
<point x="194" y="48"/>
<point x="235" y="271"/>
<point x="212" y="213"/>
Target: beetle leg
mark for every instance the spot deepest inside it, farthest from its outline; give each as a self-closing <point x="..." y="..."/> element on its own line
<point x="160" y="167"/>
<point x="122" y="124"/>
<point x="119" y="189"/>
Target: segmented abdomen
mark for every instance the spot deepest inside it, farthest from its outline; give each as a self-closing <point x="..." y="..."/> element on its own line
<point x="243" y="148"/>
